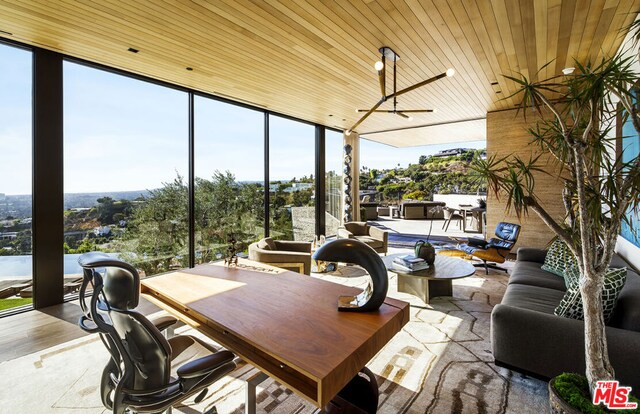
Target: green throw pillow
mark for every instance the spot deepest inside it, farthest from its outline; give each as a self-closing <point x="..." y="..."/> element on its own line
<point x="571" y="304"/>
<point x="558" y="258"/>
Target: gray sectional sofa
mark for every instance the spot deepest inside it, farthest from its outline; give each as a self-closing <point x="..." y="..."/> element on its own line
<point x="526" y="336"/>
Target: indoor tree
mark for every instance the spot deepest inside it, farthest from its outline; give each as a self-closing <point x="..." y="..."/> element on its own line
<point x="576" y="115"/>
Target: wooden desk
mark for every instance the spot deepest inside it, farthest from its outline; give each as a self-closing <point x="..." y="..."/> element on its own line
<point x="287" y="324"/>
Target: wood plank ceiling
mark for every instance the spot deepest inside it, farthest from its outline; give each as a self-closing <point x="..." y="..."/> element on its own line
<point x="314" y="59"/>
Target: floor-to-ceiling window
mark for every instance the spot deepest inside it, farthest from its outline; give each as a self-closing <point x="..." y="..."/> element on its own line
<point x="125" y="170"/>
<point x="291" y="180"/>
<point x="333" y="181"/>
<point x="229" y="184"/>
<point x="15" y="177"/>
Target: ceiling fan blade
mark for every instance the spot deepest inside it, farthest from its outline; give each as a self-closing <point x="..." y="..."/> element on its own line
<point x="379" y="110"/>
<point x="415" y="111"/>
<point x="402" y="115"/>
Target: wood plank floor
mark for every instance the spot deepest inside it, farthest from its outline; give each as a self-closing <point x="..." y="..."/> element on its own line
<point x="35" y="330"/>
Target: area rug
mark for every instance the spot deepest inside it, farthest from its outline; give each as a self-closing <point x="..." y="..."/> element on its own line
<point x="439" y="363"/>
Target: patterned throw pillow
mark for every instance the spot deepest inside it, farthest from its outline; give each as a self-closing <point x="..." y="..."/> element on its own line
<point x="571" y="304"/>
<point x="558" y="258"/>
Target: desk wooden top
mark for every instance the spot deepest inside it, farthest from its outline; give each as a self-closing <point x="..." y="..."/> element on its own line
<point x="285" y="324"/>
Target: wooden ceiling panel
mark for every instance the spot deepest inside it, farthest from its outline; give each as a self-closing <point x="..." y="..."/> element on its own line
<point x="313" y="59"/>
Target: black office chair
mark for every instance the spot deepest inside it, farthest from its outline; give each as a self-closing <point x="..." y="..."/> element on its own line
<point x="142" y="375"/>
<point x="494" y="250"/>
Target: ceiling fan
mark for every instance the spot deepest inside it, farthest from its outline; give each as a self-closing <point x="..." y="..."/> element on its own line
<point x="380" y="66"/>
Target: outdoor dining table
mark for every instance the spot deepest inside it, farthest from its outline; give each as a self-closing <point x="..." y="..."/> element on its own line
<point x="476" y="213"/>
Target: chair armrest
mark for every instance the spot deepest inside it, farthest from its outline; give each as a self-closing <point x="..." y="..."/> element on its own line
<point x="202" y="366"/>
<point x="273" y="256"/>
<point x="344" y="233"/>
<point x="378" y="234"/>
<point x="164" y="322"/>
<point x="476" y="242"/>
<point x="293" y="246"/>
<point x="500" y="244"/>
<point x="529" y="254"/>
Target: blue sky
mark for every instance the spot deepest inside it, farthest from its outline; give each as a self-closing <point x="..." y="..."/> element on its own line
<point x="124" y="134"/>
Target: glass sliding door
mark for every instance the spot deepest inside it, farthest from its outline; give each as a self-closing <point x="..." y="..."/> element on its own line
<point x="125" y="169"/>
<point x="333" y="182"/>
<point x="291" y="180"/>
<point x="229" y="187"/>
<point x="16" y="268"/>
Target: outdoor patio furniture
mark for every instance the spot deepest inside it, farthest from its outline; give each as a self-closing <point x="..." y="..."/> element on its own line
<point x="419" y="210"/>
<point x="374" y="237"/>
<point x="452" y="214"/>
<point x="290" y="255"/>
<point x="371" y="210"/>
<point x="14" y="290"/>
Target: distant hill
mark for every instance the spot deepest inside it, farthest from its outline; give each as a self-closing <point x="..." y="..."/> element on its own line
<point x="83" y="200"/>
<point x="19" y="206"/>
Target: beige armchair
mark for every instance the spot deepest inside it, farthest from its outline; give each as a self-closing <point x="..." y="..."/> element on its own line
<point x="374" y="237"/>
<point x="290" y="255"/>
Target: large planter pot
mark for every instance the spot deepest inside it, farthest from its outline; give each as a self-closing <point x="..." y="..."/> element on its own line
<point x="557" y="404"/>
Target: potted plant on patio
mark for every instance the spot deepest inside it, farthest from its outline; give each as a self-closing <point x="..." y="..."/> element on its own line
<point x="575" y="114"/>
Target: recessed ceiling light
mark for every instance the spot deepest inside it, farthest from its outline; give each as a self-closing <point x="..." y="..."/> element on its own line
<point x="498" y="91"/>
<point x="189" y="69"/>
<point x="494" y="83"/>
<point x="568" y="71"/>
<point x="132" y="50"/>
<point x="330" y="114"/>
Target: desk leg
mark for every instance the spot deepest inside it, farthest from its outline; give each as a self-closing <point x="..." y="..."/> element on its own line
<point x="250" y="400"/>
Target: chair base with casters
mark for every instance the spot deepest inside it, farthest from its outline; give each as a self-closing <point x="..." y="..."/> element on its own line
<point x="146" y="372"/>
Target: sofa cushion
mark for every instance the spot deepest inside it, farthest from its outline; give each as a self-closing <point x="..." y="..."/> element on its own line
<point x="532" y="297"/>
<point x="626" y="314"/>
<point x="530" y="273"/>
<point x="571" y="304"/>
<point x="558" y="258"/>
<point x="267" y="244"/>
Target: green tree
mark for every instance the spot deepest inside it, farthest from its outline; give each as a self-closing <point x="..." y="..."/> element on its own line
<point x="599" y="188"/>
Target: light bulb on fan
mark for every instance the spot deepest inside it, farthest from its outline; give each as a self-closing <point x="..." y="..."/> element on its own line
<point x="409" y="118"/>
<point x="450" y="72"/>
<point x="378" y="65"/>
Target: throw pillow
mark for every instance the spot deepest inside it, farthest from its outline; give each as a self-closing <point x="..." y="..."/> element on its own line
<point x="558" y="258"/>
<point x="571" y="304"/>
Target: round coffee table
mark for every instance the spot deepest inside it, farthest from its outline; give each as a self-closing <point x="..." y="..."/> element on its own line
<point x="431" y="282"/>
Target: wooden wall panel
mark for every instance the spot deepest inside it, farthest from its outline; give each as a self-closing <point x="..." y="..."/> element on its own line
<point x="507" y="134"/>
<point x="314" y="59"/>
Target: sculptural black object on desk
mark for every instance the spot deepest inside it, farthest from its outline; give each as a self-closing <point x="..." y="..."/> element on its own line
<point x="232" y="254"/>
<point x="357" y="252"/>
